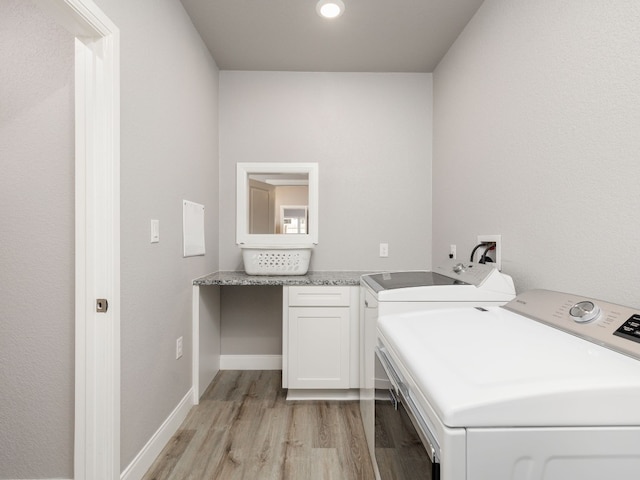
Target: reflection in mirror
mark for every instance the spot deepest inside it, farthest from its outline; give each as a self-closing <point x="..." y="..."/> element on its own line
<point x="294" y="219"/>
<point x="277" y="204"/>
<point x="276" y="201"/>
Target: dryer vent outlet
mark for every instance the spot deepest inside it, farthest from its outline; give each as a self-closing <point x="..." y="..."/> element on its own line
<point x="495" y="254"/>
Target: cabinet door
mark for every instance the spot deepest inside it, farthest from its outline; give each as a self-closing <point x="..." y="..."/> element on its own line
<point x="318" y="347"/>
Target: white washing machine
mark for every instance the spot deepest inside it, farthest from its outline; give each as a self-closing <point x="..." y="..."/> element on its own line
<point x="546" y="387"/>
<point x="452" y="284"/>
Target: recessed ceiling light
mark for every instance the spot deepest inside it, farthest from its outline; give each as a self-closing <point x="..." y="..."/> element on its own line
<point x="330" y="8"/>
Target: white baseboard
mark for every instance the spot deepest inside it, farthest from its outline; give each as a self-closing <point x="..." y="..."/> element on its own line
<point x="145" y="458"/>
<point x="250" y="362"/>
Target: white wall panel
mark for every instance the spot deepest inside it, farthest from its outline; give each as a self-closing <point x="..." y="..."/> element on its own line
<point x="169" y="152"/>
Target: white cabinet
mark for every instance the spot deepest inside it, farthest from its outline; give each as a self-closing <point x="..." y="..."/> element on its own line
<point x="320" y="337"/>
<point x="318" y="347"/>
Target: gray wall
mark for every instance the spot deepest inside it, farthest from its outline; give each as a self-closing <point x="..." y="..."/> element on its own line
<point x="371" y="136"/>
<point x="36" y="244"/>
<point x="536" y="121"/>
<point x="169" y="98"/>
<point x="251" y="320"/>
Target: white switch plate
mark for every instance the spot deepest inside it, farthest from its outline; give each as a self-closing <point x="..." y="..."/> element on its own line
<point x="384" y="249"/>
<point x="155" y="231"/>
<point x="178" y="348"/>
<point x="452" y="251"/>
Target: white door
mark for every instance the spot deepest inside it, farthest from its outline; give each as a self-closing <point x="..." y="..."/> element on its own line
<point x="261" y="207"/>
<point x="97" y="191"/>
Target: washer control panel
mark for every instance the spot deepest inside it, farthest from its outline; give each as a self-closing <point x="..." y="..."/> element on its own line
<point x="467" y="272"/>
<point x="630" y="329"/>
<point x="607" y="324"/>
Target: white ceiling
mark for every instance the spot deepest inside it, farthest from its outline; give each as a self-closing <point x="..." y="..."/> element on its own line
<point x="371" y="35"/>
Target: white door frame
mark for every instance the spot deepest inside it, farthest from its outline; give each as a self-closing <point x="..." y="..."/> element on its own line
<point x="97" y="239"/>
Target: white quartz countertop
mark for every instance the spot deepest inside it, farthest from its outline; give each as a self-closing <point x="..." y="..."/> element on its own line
<point x="311" y="278"/>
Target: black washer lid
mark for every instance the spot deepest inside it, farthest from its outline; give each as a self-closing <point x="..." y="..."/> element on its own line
<point x="393" y="280"/>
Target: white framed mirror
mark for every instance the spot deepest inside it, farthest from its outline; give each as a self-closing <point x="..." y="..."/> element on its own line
<point x="271" y="197"/>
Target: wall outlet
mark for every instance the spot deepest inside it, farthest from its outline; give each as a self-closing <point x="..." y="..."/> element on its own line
<point x="384" y="249"/>
<point x="495" y="254"/>
<point x="178" y="348"/>
<point x="452" y="251"/>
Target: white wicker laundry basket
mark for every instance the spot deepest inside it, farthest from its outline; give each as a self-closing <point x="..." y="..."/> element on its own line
<point x="289" y="260"/>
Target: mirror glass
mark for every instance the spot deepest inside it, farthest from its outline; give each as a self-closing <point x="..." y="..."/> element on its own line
<point x="277" y="203"/>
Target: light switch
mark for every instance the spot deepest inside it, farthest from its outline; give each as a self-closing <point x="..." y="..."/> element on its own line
<point x="155" y="231"/>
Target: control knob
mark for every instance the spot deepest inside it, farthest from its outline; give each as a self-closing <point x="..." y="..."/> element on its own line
<point x="458" y="267"/>
<point x="585" y="311"/>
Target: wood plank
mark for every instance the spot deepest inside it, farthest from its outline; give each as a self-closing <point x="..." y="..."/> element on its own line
<point x="170" y="455"/>
<point x="245" y="429"/>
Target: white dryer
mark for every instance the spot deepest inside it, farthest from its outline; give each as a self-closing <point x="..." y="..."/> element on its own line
<point x="546" y="387"/>
<point x="452" y="284"/>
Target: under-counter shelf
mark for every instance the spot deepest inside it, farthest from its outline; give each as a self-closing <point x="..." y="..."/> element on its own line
<point x="207" y="357"/>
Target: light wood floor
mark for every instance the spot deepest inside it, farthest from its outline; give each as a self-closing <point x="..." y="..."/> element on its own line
<point x="245" y="429"/>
